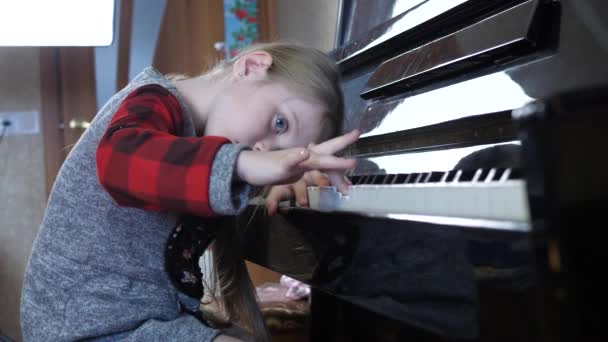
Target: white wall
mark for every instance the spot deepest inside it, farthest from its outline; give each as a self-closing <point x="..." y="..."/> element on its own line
<point x="22" y="181"/>
<point x="311" y="22"/>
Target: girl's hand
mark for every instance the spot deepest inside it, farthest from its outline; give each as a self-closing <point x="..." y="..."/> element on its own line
<point x="298" y="191"/>
<point x="295" y="190"/>
<point x="287" y="166"/>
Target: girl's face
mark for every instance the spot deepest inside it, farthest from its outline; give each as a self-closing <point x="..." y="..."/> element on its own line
<point x="265" y="115"/>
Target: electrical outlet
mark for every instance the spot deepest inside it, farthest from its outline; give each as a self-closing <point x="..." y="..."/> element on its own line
<point x="20" y="123"/>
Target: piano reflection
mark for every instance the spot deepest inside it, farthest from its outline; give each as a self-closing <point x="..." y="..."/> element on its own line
<point x="476" y="205"/>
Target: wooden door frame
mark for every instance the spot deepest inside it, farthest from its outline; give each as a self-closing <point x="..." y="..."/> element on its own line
<point x="51" y="109"/>
<point x="267" y="21"/>
<point x="67" y="91"/>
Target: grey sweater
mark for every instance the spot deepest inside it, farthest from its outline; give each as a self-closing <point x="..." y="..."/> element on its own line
<point x="97" y="268"/>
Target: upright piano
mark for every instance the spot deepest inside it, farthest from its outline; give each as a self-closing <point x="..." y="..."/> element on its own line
<point x="476" y="210"/>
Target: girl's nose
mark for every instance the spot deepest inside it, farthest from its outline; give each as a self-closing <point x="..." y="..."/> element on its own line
<point x="260" y="146"/>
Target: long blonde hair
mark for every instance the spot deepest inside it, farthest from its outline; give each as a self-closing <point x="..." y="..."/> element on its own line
<point x="303" y="70"/>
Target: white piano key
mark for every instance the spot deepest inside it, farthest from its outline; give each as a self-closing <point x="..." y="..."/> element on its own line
<point x="449" y="199"/>
<point x="440" y="204"/>
<point x="517" y="201"/>
<point x="488" y="200"/>
<point x="483" y="199"/>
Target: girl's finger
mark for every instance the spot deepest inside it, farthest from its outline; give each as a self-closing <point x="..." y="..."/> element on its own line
<point x="299" y="189"/>
<point x="277" y="194"/>
<point x="327" y="162"/>
<point x="316" y="178"/>
<point x="295" y="157"/>
<point x="336" y="144"/>
<point x="339" y="181"/>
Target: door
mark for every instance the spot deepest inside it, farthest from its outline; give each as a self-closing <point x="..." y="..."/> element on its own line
<point x="68" y="101"/>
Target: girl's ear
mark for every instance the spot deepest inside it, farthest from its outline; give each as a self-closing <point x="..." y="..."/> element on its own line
<point x="252" y="65"/>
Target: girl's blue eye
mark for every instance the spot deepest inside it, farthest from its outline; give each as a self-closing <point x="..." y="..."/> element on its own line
<point x="280" y="124"/>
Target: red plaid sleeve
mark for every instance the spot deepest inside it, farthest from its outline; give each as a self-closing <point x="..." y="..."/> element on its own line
<point x="143" y="162"/>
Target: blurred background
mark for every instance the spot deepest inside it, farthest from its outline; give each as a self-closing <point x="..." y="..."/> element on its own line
<point x="49" y="93"/>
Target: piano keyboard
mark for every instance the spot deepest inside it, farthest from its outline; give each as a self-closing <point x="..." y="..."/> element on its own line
<point x="494" y="195"/>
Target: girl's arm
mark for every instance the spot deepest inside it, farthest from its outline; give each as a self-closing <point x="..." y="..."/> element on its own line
<point x="144" y="162"/>
<point x="289" y="165"/>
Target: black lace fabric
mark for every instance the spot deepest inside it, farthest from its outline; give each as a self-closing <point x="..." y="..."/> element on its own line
<point x="186" y="244"/>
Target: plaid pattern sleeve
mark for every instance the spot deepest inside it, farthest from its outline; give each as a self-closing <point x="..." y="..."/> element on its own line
<point x="143" y="162"/>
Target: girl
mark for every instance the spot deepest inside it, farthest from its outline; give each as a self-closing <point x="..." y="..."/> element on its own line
<point x="161" y="149"/>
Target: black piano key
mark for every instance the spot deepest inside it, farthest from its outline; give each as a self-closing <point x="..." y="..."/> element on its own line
<point x="365" y="179"/>
<point x="379" y="179"/>
<point x="412" y="177"/>
<point x="421" y="177"/>
<point x="355" y="179"/>
<point x="425" y="177"/>
<point x="372" y="179"/>
<point x="467" y="175"/>
<point x="435" y="176"/>
<point x="498" y="174"/>
<point x="516" y="174"/>
<point x="507" y="174"/>
<point x="482" y="176"/>
<point x="451" y="175"/>
<point x="401" y="178"/>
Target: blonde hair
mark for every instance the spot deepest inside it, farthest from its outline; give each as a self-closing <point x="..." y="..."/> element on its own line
<point x="308" y="71"/>
<point x="303" y="70"/>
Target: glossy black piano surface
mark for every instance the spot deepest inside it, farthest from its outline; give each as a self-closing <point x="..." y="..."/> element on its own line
<point x="445" y="85"/>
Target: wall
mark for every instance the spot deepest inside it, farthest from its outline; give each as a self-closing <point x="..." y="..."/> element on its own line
<point x="311" y="23"/>
<point x="22" y="183"/>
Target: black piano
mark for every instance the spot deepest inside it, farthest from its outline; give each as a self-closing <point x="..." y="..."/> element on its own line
<point x="476" y="210"/>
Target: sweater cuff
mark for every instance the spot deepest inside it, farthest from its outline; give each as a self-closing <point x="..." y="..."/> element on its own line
<point x="227" y="194"/>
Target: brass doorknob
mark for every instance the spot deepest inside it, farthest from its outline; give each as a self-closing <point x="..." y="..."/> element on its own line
<point x="219" y="46"/>
<point x="78" y="124"/>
